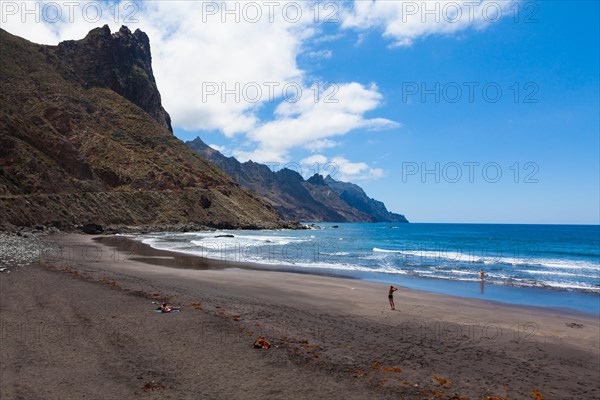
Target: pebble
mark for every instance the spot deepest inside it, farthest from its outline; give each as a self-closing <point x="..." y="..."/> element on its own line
<point x="21" y="249"/>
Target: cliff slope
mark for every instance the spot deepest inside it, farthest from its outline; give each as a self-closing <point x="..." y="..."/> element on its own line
<point x="84" y="138"/>
<point x="316" y="199"/>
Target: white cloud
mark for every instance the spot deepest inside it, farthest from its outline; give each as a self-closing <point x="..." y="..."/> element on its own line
<point x="260" y="155"/>
<point x="326" y="54"/>
<point x="327" y="38"/>
<point x="312" y="123"/>
<point x="321" y="144"/>
<point x="405" y="21"/>
<point x="199" y="57"/>
<point x="220" y="149"/>
<point x="319" y="159"/>
<point x="354" y="171"/>
<point x="342" y="169"/>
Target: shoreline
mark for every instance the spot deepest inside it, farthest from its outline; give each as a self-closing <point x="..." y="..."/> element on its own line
<point x="129" y="250"/>
<point x="538" y="297"/>
<point x="336" y="336"/>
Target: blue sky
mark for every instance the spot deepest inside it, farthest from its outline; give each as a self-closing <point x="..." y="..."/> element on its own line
<point x="560" y="133"/>
<point x="382" y="132"/>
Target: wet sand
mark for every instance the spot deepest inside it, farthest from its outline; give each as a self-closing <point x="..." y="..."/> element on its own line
<point x="81" y="324"/>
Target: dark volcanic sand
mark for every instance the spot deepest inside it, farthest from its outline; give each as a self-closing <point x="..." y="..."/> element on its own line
<point x="72" y="329"/>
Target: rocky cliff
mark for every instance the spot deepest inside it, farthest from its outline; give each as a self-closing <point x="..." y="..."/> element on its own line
<point x="315" y="199"/>
<point x="84" y="138"/>
<point x="121" y="61"/>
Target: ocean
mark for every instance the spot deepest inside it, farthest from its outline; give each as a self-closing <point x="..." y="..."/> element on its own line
<point x="554" y="266"/>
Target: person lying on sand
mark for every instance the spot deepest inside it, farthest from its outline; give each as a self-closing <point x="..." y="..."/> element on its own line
<point x="165" y="308"/>
<point x="391" y="297"/>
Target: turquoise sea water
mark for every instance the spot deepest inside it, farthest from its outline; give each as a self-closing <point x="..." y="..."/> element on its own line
<point x="539" y="265"/>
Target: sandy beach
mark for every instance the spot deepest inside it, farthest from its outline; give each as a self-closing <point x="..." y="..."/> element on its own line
<point x="81" y="324"/>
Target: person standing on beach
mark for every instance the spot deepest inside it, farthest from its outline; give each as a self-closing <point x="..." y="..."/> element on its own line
<point x="391" y="296"/>
<point x="481" y="274"/>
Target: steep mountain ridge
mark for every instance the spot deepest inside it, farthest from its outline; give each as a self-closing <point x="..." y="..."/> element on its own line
<point x="121" y="61"/>
<point x="315" y="199"/>
<point x="84" y="138"/>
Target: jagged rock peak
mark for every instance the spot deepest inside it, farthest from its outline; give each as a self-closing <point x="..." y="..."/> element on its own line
<point x="317" y="179"/>
<point x="121" y="61"/>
